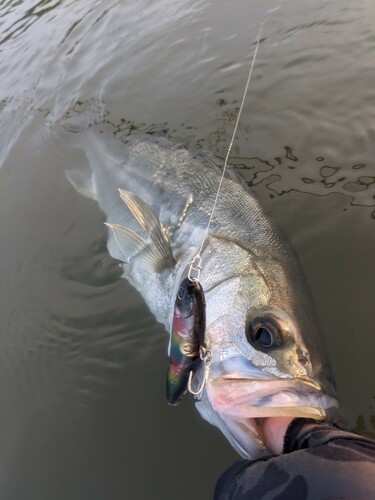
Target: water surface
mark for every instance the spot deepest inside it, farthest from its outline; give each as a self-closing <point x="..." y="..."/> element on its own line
<point x="82" y="362"/>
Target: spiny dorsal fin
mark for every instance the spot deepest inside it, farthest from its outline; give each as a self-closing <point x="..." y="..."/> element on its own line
<point x="147" y="219"/>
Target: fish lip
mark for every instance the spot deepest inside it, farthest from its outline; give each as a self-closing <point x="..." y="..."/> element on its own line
<point x="305" y="381"/>
<point x="239" y="397"/>
<point x="235" y="386"/>
<point x="238" y="367"/>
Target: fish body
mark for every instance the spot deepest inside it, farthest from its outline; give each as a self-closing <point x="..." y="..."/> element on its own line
<point x="266" y="350"/>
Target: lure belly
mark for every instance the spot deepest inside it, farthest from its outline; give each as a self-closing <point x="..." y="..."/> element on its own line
<point x="187" y="336"/>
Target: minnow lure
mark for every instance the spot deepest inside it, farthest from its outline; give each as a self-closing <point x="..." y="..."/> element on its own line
<point x="188" y="327"/>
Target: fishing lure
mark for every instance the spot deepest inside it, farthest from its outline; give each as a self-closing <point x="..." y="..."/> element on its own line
<point x="187" y="339"/>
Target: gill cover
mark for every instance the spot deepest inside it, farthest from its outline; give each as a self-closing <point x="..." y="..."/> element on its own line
<point x="188" y="327"/>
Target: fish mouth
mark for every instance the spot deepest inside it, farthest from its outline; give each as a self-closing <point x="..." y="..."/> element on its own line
<point x="254" y="398"/>
<point x="241" y="400"/>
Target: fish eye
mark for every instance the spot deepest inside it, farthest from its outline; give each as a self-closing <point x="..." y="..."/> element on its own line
<point x="263" y="333"/>
<point x="263" y="336"/>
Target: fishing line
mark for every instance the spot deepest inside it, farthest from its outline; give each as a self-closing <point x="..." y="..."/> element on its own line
<point x="181" y="382"/>
<point x="195" y="264"/>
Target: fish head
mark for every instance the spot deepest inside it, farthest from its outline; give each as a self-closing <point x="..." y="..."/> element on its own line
<point x="267" y="358"/>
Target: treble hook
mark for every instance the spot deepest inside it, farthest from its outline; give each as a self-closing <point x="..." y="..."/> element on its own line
<point x="205" y="356"/>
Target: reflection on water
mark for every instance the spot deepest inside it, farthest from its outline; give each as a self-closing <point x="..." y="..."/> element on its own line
<point x="19" y="16"/>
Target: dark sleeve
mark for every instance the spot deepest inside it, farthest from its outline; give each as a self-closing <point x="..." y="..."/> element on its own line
<point x="320" y="461"/>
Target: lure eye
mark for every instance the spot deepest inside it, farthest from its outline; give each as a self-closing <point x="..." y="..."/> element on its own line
<point x="263" y="334"/>
<point x="184" y="301"/>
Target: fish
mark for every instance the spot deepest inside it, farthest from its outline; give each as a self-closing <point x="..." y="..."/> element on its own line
<point x="267" y="357"/>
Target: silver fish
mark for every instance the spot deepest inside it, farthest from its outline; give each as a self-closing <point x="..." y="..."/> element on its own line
<point x="267" y="354"/>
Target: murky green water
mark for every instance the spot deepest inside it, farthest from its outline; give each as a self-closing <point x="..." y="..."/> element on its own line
<point x="83" y="413"/>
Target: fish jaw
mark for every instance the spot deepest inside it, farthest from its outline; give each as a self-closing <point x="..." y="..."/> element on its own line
<point x="247" y="398"/>
<point x="238" y="402"/>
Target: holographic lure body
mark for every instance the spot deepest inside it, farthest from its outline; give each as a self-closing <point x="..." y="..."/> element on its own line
<point x="187" y="336"/>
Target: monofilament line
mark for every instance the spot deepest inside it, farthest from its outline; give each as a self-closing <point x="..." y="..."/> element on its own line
<point x="195" y="263"/>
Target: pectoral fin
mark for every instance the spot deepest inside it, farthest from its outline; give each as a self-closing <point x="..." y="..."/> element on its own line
<point x="159" y="251"/>
<point x="129" y="242"/>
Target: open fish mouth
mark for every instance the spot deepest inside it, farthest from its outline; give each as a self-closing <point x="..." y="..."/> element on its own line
<point x="252" y="398"/>
<point x="238" y="401"/>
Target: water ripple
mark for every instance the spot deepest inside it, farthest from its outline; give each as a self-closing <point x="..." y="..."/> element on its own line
<point x="20" y="17"/>
<point x="284" y="174"/>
